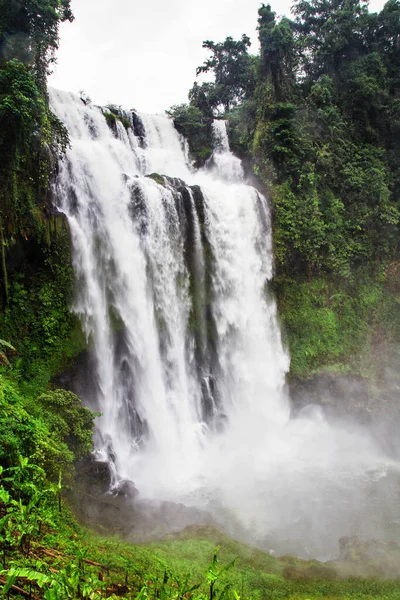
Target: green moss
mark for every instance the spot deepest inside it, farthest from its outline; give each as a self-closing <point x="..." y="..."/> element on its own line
<point x="112" y="117"/>
<point x="157" y="178"/>
<point x="337" y="324"/>
<point x="37" y="318"/>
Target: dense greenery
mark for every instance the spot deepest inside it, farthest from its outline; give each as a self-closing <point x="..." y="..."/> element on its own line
<point x="46" y="554"/>
<point x="36" y="272"/>
<point x="317" y="112"/>
<point x="195" y="126"/>
<point x="42" y="431"/>
<point x="327" y="134"/>
<point x="53" y="429"/>
<point x="341" y="324"/>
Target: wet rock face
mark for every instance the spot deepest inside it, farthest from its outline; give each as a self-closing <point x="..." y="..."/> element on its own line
<point x="136" y="519"/>
<point x="352" y="548"/>
<point x="339" y="395"/>
<point x="346" y="395"/>
<point x="372" y="558"/>
<point x="373" y="403"/>
<point x="80" y="378"/>
<point x="153" y="519"/>
<point x="117" y="507"/>
<point x="138" y="127"/>
<point x="125" y="488"/>
<point x="93" y="476"/>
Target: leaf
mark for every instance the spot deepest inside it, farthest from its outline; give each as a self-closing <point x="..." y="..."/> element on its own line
<point x="23" y="461"/>
<point x="7" y="345"/>
<point x="213" y="571"/>
<point x="9" y="583"/>
<point x="142" y="595"/>
<point x="4" y="496"/>
<point x="3" y="521"/>
<point x="224" y="591"/>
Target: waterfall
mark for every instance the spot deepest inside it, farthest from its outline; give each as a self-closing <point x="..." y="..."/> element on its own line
<point x="172" y="268"/>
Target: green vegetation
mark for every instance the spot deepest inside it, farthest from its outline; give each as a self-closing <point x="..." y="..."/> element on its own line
<point x="317" y="114"/>
<point x="112" y="114"/>
<point x="235" y="77"/>
<point x="234" y="71"/>
<point x="195" y="126"/>
<point x="47" y="554"/>
<point x="53" y="428"/>
<point x="346" y="325"/>
<point x="36" y="271"/>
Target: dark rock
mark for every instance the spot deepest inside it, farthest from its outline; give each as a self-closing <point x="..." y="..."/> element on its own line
<point x="125" y="488"/>
<point x="93" y="476"/>
<point x="372" y="401"/>
<point x="340" y="395"/>
<point x="80" y="378"/>
<point x="152" y="519"/>
<point x="372" y="558"/>
<point x="135" y="519"/>
<point x="138" y="127"/>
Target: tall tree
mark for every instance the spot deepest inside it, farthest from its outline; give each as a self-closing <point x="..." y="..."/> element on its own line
<point x="331" y="33"/>
<point x="233" y="68"/>
<point x="29" y="32"/>
<point x="278" y="57"/>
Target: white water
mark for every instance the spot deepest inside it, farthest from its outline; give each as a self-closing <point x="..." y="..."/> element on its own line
<point x="190" y="366"/>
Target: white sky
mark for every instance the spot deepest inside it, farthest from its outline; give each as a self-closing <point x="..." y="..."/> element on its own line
<point x="143" y="54"/>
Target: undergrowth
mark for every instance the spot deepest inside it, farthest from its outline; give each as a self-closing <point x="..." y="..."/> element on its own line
<point x="46" y="553"/>
<point x="66" y="561"/>
<point x="343" y="325"/>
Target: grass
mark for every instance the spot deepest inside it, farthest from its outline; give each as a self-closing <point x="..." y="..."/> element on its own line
<point x="176" y="567"/>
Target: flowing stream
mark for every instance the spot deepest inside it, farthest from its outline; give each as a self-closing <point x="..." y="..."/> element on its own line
<point x="172" y="268"/>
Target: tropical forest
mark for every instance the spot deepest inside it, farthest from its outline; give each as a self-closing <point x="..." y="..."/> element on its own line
<point x="200" y="318"/>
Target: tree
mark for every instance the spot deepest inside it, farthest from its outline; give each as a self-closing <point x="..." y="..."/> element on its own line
<point x="330" y="34"/>
<point x="29" y="32"/>
<point x="278" y="58"/>
<point x="21" y="106"/>
<point x="234" y="71"/>
<point x="28" y="128"/>
<point x="204" y="98"/>
<point x="196" y="127"/>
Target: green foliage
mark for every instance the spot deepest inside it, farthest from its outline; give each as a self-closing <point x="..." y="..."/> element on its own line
<point x="31" y="137"/>
<point x="68" y="420"/>
<point x="339" y="324"/>
<point x="301" y="225"/>
<point x="22" y="108"/>
<point x="323" y="134"/>
<point x="37" y="318"/>
<point x="242" y="123"/>
<point x="214" y="572"/>
<point x="279" y="61"/>
<point x="29" y="32"/>
<point x="234" y="71"/>
<point x="54" y="429"/>
<point x="196" y="128"/>
<point x="318" y="115"/>
<point x="112" y="114"/>
<point x="77" y="564"/>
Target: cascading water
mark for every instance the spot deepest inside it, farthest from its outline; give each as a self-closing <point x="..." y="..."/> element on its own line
<point x="172" y="268"/>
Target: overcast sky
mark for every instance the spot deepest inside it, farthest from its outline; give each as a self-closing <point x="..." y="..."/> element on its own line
<point x="143" y="54"/>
